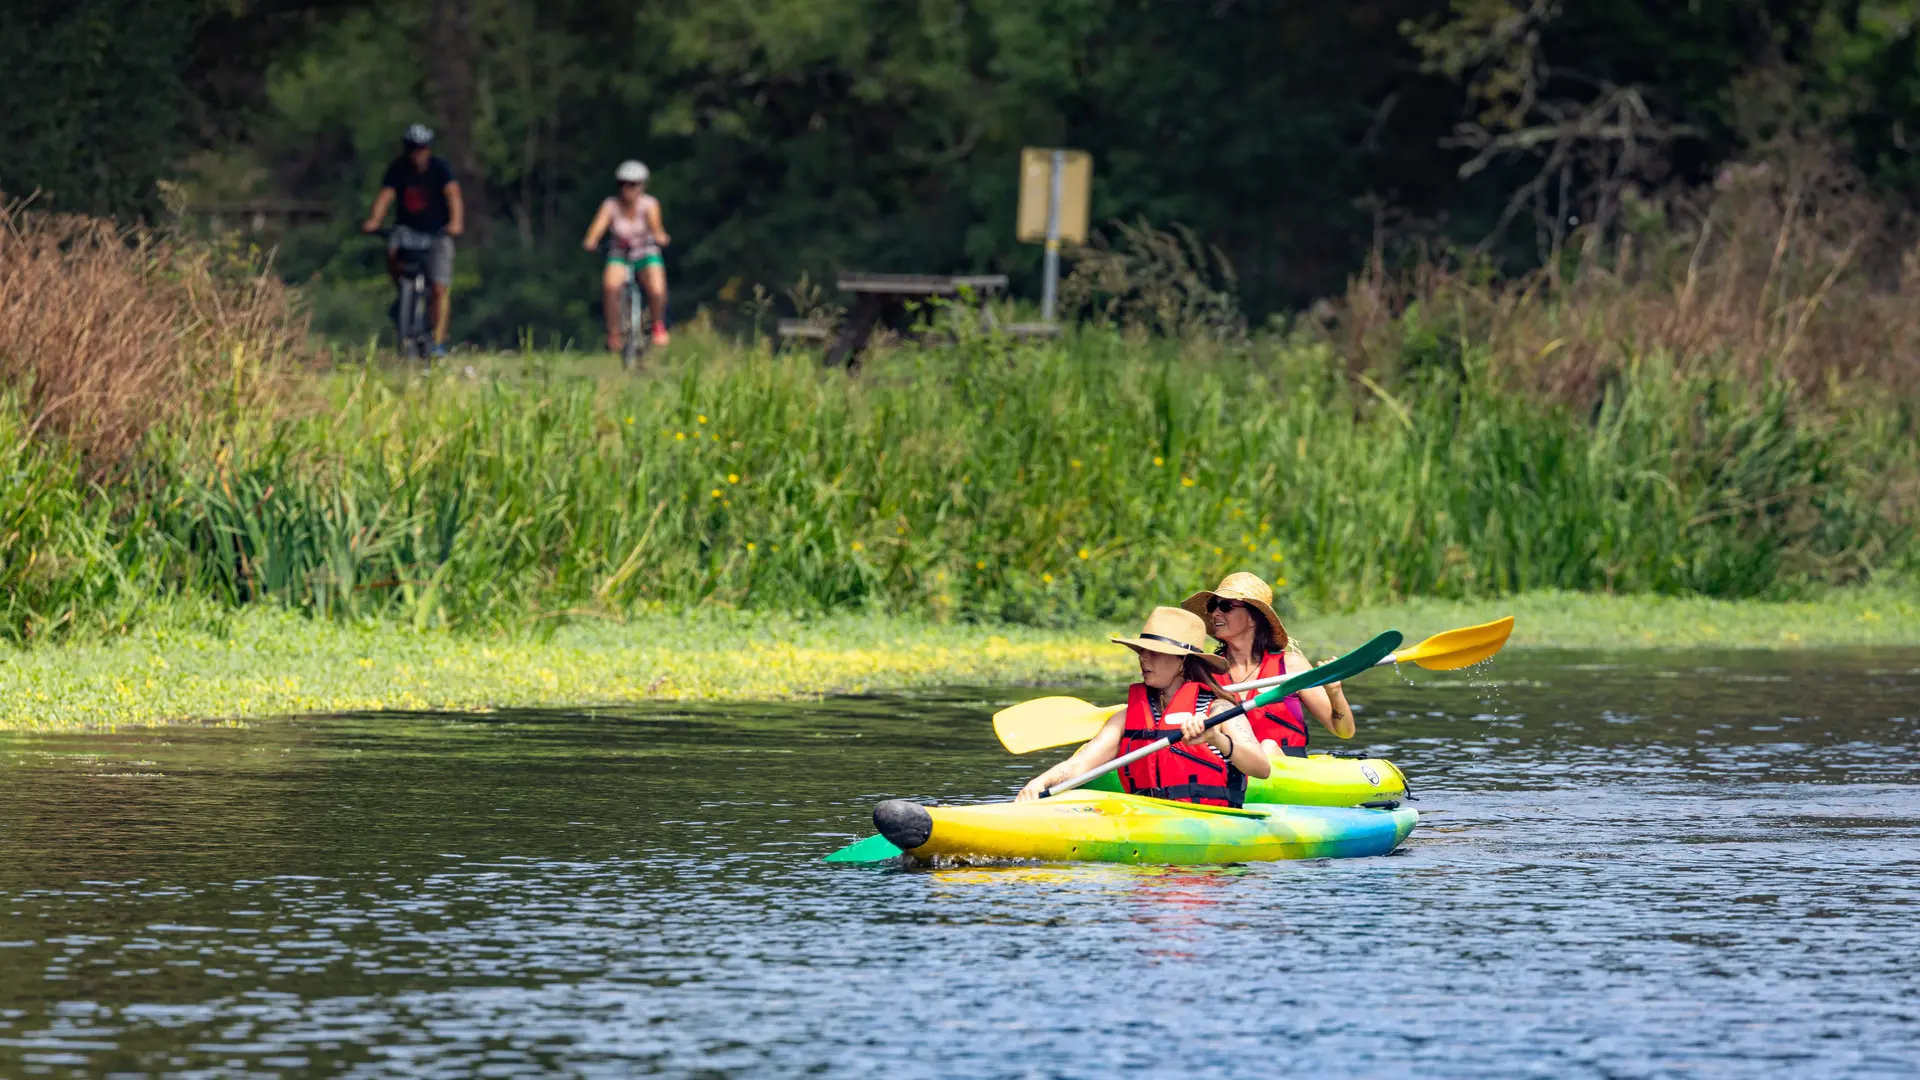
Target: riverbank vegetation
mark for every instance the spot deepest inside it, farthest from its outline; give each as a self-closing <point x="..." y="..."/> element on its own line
<point x="1703" y="396"/>
<point x="1045" y="486"/>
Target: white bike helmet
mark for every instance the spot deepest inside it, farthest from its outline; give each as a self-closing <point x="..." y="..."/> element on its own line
<point x="631" y="172"/>
<point x="418" y="135"/>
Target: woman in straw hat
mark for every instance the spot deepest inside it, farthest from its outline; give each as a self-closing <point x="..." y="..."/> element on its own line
<point x="1255" y="644"/>
<point x="1178" y="683"/>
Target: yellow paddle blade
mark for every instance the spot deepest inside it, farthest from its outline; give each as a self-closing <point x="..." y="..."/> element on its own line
<point x="1049" y="721"/>
<point x="1459" y="648"/>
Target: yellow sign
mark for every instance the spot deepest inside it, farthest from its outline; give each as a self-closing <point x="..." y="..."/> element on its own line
<point x="1036" y="189"/>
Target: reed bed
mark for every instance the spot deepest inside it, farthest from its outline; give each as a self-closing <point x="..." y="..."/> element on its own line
<point x="107" y="332"/>
<point x="1082" y="480"/>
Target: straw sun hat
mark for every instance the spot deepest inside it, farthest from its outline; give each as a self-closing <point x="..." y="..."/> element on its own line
<point x="1174" y="632"/>
<point x="1249" y="589"/>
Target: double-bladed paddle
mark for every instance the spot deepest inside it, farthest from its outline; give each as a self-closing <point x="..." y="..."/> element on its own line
<point x="1063" y="721"/>
<point x="878" y="848"/>
<point x="1344" y="667"/>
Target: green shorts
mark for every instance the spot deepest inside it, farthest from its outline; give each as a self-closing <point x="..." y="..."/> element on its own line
<point x="637" y="262"/>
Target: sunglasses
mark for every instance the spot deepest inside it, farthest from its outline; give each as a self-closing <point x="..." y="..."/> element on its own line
<point x="1217" y="604"/>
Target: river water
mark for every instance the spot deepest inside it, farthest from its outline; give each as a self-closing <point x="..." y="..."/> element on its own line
<point x="1627" y="865"/>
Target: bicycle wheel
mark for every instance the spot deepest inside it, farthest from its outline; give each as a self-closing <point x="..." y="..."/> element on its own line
<point x="422" y="321"/>
<point x="407" y="326"/>
<point x="635" y="317"/>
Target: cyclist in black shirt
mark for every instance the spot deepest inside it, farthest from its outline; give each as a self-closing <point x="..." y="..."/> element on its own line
<point x="429" y="202"/>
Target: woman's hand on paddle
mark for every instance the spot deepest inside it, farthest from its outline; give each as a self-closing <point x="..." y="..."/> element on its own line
<point x="1194" y="729"/>
<point x="1032" y="791"/>
<point x="1332" y="688"/>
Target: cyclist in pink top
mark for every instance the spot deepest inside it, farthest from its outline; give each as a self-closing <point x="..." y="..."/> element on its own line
<point x="632" y="218"/>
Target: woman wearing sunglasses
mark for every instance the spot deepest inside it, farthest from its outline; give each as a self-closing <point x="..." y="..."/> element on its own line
<point x="1239" y="614"/>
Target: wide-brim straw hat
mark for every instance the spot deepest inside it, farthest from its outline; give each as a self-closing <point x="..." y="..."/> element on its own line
<point x="1174" y="632"/>
<point x="1245" y="587"/>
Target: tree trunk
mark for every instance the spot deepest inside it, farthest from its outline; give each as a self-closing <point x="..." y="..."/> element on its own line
<point x="451" y="65"/>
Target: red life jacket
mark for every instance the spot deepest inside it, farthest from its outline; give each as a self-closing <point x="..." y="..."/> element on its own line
<point x="1284" y="721"/>
<point x="1192" y="774"/>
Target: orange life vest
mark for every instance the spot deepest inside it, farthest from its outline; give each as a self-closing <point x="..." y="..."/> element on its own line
<point x="1192" y="774"/>
<point x="1284" y="721"/>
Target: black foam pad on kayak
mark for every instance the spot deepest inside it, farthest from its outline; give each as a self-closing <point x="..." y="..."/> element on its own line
<point x="905" y="824"/>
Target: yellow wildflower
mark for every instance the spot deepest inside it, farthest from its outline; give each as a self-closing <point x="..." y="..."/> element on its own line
<point x="1048" y="578"/>
<point x="858" y="546"/>
<point x="751" y="546"/>
<point x="680" y="436"/>
<point x="716" y="493"/>
<point x="980" y="564"/>
<point x="733" y="478"/>
<point x="702" y="418"/>
<point x="1084" y="554"/>
<point x="1158" y="461"/>
<point x="1076" y="463"/>
<point x="1186" y="481"/>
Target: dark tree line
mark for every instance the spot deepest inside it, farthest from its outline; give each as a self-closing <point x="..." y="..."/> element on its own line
<point x="792" y="136"/>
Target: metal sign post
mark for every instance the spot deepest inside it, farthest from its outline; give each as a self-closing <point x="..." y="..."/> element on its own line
<point x="1055" y="186"/>
<point x="1050" y="280"/>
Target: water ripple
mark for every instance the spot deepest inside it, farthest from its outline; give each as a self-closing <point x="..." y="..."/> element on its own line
<point x="1711" y="871"/>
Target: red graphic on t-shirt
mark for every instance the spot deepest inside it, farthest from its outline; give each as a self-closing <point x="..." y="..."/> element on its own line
<point x="414" y="199"/>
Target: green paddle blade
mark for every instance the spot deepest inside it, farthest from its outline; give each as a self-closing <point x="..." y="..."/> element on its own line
<point x="872" y="849"/>
<point x="1344" y="667"/>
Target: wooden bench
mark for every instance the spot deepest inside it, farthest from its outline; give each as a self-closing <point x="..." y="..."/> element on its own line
<point x="885" y="298"/>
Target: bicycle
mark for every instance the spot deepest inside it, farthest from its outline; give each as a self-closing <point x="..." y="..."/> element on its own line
<point x="633" y="320"/>
<point x="413" y="321"/>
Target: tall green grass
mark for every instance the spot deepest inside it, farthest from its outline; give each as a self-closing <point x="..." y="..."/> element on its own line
<point x="1089" y="478"/>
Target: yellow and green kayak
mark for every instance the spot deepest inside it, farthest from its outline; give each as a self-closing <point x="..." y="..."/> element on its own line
<point x="1104" y="826"/>
<point x="1315" y="780"/>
